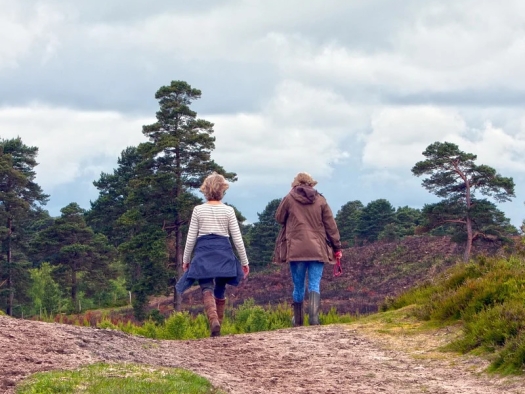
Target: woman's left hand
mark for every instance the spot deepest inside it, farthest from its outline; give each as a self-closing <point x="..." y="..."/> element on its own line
<point x="246" y="270"/>
<point x="185" y="266"/>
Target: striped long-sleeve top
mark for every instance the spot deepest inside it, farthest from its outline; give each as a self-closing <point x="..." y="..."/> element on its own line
<point x="214" y="219"/>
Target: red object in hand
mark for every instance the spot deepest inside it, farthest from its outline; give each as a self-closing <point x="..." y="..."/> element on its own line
<point x="338" y="254"/>
<point x="338" y="270"/>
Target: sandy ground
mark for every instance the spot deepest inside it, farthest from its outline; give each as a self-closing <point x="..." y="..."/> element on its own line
<point x="322" y="359"/>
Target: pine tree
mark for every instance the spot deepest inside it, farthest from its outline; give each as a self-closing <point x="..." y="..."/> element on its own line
<point x="112" y="203"/>
<point x="373" y="219"/>
<point x="454" y="176"/>
<point x="19" y="194"/>
<point x="262" y="235"/>
<point x="347" y="219"/>
<point x="179" y="158"/>
<point x="83" y="258"/>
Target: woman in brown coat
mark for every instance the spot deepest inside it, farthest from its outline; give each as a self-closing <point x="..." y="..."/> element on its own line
<point x="311" y="238"/>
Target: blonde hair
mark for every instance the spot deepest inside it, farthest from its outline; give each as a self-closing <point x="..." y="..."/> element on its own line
<point x="303" y="178"/>
<point x="214" y="187"/>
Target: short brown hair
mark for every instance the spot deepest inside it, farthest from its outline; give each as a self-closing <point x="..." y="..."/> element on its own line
<point x="304" y="178"/>
<point x="214" y="187"/>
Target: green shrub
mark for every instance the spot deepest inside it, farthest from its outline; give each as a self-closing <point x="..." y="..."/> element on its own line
<point x="257" y="320"/>
<point x="198" y="327"/>
<point x="487" y="297"/>
<point x="332" y="317"/>
<point x="279" y="316"/>
<point x="242" y="314"/>
<point x="157" y="317"/>
<point x="511" y="359"/>
<point x="252" y="318"/>
<point x="176" y="326"/>
<point x="148" y="330"/>
<point x="492" y="327"/>
<point x="417" y="295"/>
<point x="106" y="323"/>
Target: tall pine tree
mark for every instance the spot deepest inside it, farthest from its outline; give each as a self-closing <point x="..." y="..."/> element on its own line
<point x="19" y="195"/>
<point x="145" y="205"/>
<point x="179" y="155"/>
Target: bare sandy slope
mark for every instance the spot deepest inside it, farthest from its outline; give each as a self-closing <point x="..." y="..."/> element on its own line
<point x="322" y="359"/>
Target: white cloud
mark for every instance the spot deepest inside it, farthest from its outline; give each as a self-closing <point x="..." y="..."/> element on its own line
<point x="301" y="129"/>
<point x="497" y="148"/>
<point x="232" y="29"/>
<point x="400" y="134"/>
<point x="26" y="31"/>
<point x="444" y="47"/>
<point x="71" y="143"/>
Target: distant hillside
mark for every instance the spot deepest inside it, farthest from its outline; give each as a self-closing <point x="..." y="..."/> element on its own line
<point x="370" y="273"/>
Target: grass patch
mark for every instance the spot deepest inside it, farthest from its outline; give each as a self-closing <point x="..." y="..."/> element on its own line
<point x="397" y="322"/>
<point x="104" y="378"/>
<point x="400" y="330"/>
<point x="486" y="299"/>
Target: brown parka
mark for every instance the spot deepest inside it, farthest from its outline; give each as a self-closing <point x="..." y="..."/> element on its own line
<point x="309" y="230"/>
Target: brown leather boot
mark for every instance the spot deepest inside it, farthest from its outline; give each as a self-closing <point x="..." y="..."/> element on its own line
<point x="211" y="311"/>
<point x="221" y="305"/>
<point x="298" y="314"/>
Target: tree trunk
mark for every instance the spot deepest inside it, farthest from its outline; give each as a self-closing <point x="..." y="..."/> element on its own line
<point x="468" y="246"/>
<point x="74" y="288"/>
<point x="10" y="284"/>
<point x="177" y="298"/>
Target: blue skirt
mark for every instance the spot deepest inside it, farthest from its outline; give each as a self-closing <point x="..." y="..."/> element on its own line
<point x="213" y="258"/>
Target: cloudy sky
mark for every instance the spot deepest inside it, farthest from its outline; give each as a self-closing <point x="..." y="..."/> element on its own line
<point x="351" y="91"/>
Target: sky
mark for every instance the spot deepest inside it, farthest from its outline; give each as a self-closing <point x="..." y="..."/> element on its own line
<point x="350" y="91"/>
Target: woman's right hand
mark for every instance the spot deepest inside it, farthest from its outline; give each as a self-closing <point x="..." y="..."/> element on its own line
<point x="185" y="266"/>
<point x="246" y="270"/>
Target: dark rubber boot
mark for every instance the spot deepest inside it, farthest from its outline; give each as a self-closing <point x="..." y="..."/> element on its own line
<point x="211" y="311"/>
<point x="298" y="314"/>
<point x="313" y="308"/>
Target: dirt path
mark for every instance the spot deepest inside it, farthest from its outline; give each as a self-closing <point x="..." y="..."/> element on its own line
<point x="322" y="359"/>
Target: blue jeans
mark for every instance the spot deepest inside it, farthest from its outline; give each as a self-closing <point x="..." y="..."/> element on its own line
<point x="298" y="270"/>
<point x="218" y="288"/>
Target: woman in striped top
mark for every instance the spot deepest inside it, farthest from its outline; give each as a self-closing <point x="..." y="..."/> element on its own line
<point x="214" y="265"/>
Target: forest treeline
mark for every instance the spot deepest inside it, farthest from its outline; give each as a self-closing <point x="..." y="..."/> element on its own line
<point x="128" y="245"/>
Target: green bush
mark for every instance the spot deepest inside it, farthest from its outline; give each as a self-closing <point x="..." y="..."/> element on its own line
<point x="488" y="298"/>
<point x="257" y="320"/>
<point x="149" y="330"/>
<point x="106" y="324"/>
<point x="279" y="316"/>
<point x="242" y="314"/>
<point x="157" y="317"/>
<point x="332" y="317"/>
<point x="511" y="359"/>
<point x="492" y="327"/>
